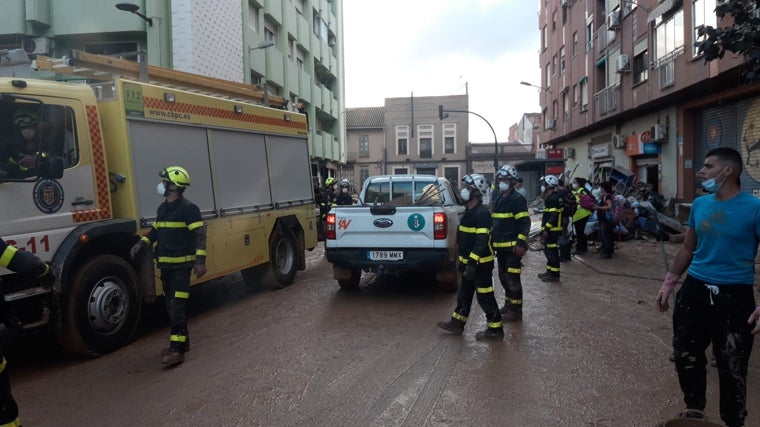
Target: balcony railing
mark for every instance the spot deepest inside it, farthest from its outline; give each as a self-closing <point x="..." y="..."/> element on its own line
<point x="667" y="67"/>
<point x="607" y="99"/>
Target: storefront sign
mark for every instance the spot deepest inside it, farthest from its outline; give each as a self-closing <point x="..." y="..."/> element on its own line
<point x="555" y="153"/>
<point x="636" y="145"/>
<point x="601" y="150"/>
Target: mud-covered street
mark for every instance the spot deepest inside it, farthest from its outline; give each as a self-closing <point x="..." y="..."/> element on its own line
<point x="591" y="351"/>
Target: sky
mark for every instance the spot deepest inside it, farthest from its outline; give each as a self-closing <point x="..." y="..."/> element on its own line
<point x="394" y="48"/>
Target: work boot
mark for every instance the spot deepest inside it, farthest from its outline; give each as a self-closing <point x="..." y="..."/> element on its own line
<point x="495" y="334"/>
<point x="454" y="326"/>
<point x="172" y="357"/>
<point x="511" y="314"/>
<point x="549" y="277"/>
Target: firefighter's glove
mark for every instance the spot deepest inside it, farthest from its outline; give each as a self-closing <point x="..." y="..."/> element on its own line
<point x="28" y="161"/>
<point x="199" y="269"/>
<point x="47" y="279"/>
<point x="545" y="236"/>
<point x="518" y="251"/>
<point x="136" y="248"/>
<point x="469" y="272"/>
<point x="668" y="284"/>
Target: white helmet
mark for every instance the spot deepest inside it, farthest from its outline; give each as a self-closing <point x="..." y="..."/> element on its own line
<point x="551" y="181"/>
<point x="476" y="181"/>
<point x="344" y="183"/>
<point x="506" y="171"/>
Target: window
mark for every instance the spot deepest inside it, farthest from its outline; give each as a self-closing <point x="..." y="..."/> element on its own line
<point x="363" y="145"/>
<point x="425" y="133"/>
<point x="253" y="18"/>
<point x="565" y="106"/>
<point x="669" y="37"/>
<point x="270" y="31"/>
<point x="320" y="26"/>
<point x="703" y="13"/>
<point x="400" y="171"/>
<point x="562" y="60"/>
<point x="402" y="140"/>
<point x="589" y="35"/>
<point x="554" y="20"/>
<point x="545" y="38"/>
<point x="554" y="65"/>
<point x="449" y="138"/>
<point x="583" y="84"/>
<point x="575" y="43"/>
<point x="452" y="175"/>
<point x="640" y="62"/>
<point x="576" y="94"/>
<point x="548" y="81"/>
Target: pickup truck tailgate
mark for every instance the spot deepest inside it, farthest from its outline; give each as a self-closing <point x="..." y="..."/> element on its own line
<point x="385" y="227"/>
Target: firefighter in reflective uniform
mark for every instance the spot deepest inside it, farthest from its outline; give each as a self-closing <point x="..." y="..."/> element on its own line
<point x="328" y="197"/>
<point x="343" y="198"/>
<point x="475" y="263"/>
<point x="511" y="225"/>
<point x="29" y="265"/>
<point x="551" y="227"/>
<point x="180" y="239"/>
<point x="23" y="156"/>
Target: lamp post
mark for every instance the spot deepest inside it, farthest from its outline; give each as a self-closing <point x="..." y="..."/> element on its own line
<point x="443" y="113"/>
<point x="532" y="85"/>
<point x="133" y="8"/>
<point x="263" y="45"/>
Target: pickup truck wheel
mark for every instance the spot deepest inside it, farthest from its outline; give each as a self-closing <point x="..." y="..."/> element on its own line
<point x="283" y="258"/>
<point x="351" y="282"/>
<point x="101" y="308"/>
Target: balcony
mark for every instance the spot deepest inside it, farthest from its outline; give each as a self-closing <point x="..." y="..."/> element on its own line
<point x="667" y="67"/>
<point x="607" y="99"/>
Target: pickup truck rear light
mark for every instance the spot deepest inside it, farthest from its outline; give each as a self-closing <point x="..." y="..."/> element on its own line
<point x="330" y="227"/>
<point x="440" y="225"/>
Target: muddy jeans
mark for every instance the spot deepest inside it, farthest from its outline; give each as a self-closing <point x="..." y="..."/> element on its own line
<point x="717" y="315"/>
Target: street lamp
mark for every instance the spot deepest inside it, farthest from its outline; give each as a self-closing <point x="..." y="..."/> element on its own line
<point x="133" y="8"/>
<point x="532" y="85"/>
<point x="443" y="113"/>
<point x="263" y="45"/>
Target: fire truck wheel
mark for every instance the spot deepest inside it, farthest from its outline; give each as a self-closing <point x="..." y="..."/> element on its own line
<point x="101" y="308"/>
<point x="283" y="258"/>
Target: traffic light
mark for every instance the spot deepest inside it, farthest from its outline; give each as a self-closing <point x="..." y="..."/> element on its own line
<point x="441" y="114"/>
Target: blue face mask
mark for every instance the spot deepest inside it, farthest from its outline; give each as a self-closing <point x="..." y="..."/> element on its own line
<point x="712" y="185"/>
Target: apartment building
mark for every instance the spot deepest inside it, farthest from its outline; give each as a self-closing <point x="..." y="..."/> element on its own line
<point x="292" y="48"/>
<point x="407" y="136"/>
<point x="623" y="85"/>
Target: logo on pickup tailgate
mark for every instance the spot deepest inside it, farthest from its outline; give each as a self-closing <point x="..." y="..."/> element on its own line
<point x="416" y="222"/>
<point x="382" y="223"/>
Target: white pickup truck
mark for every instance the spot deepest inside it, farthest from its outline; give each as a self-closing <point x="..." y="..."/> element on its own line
<point x="402" y="223"/>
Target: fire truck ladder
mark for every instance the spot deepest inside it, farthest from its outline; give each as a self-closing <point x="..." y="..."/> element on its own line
<point x="106" y="68"/>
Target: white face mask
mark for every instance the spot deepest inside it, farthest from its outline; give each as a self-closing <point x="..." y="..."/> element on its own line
<point x="503" y="186"/>
<point x="161" y="189"/>
<point x="335" y="187"/>
<point x="344" y="190"/>
<point x="575" y="186"/>
<point x="543" y="189"/>
<point x="28" y="132"/>
<point x="465" y="193"/>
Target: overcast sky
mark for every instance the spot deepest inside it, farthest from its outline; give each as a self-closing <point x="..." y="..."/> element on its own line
<point x="434" y="47"/>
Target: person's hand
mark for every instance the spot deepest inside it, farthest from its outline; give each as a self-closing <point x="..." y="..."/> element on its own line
<point x="755" y="318"/>
<point x="28" y="161"/>
<point x="519" y="251"/>
<point x="668" y="284"/>
<point x="48" y="277"/>
<point x="545" y="236"/>
<point x="137" y="247"/>
<point x="469" y="272"/>
<point x="199" y="270"/>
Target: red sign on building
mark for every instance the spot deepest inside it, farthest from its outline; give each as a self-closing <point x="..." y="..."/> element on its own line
<point x="555" y="153"/>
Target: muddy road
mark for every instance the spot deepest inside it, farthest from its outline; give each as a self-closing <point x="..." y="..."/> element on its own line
<point x="591" y="351"/>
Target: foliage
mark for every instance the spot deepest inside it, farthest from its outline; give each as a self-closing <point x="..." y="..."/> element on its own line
<point x="742" y="37"/>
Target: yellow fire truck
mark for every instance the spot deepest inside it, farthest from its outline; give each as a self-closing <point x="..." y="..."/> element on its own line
<point x="89" y="190"/>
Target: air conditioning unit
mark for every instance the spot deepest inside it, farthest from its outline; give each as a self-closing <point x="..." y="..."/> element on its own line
<point x="613" y="20"/>
<point x="618" y="141"/>
<point x="37" y="46"/>
<point x="623" y="63"/>
<point x="550" y="123"/>
<point x="567" y="3"/>
<point x="658" y="133"/>
<point x="569" y="153"/>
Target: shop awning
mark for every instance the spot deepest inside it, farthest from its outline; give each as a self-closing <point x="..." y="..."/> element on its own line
<point x="601" y="60"/>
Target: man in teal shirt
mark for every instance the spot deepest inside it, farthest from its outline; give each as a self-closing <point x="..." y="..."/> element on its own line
<point x="716" y="303"/>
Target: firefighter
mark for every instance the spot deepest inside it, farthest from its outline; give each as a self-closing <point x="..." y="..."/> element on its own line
<point x="23" y="155"/>
<point x="551" y="227"/>
<point x="511" y="226"/>
<point x="180" y="239"/>
<point x="343" y="198"/>
<point x="475" y="263"/>
<point x="29" y="265"/>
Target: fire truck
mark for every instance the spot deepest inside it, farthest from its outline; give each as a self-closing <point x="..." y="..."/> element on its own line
<point x="89" y="191"/>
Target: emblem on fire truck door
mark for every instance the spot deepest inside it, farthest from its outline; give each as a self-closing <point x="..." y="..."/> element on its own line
<point x="416" y="222"/>
<point x="48" y="196"/>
